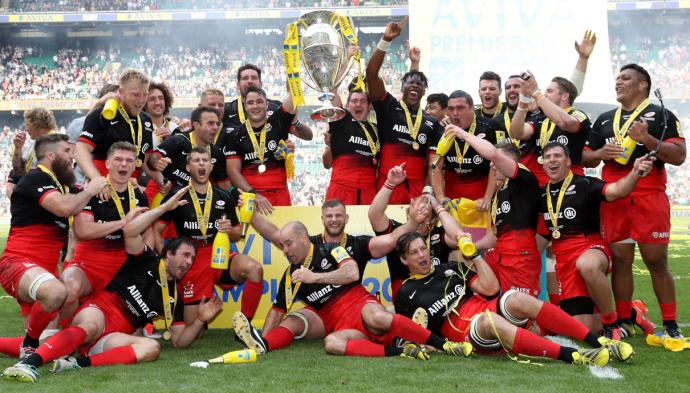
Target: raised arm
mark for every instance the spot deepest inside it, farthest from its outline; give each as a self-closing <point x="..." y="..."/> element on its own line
<point x="555" y="113"/>
<point x="376" y="87"/>
<point x="266" y="229"/>
<point x="377" y="209"/>
<point x="506" y="165"/>
<point x="584" y="49"/>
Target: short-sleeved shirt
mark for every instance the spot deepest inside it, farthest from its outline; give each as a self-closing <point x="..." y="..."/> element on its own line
<point x="517" y="204"/>
<point x="138" y="284"/>
<point x="356" y="246"/>
<point x="602" y="133"/>
<point x="392" y="125"/>
<point x="239" y="145"/>
<point x="184" y="217"/>
<point x="231" y="119"/>
<point x="101" y="133"/>
<point x="579" y="214"/>
<point x="497" y="116"/>
<point x="176" y="147"/>
<point x="575" y="141"/>
<point x="439" y="293"/>
<point x="106" y="211"/>
<point x="353" y="160"/>
<point x="326" y="258"/>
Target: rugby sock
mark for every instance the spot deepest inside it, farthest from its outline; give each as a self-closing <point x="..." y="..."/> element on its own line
<point x="528" y="343"/>
<point x="365" y="348"/>
<point x="408" y="330"/>
<point x="555" y="298"/>
<point x="61" y="344"/>
<point x="277" y="338"/>
<point x="624" y="309"/>
<point x="555" y="320"/>
<point x="10" y="346"/>
<point x="38" y="320"/>
<point x="668" y="311"/>
<point x="609" y="319"/>
<point x="117" y="355"/>
<point x="251" y="296"/>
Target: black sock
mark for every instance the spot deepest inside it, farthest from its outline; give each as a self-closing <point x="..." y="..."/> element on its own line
<point x="671" y="324"/>
<point x="627" y="321"/>
<point x="566" y="354"/>
<point x="84" y="362"/>
<point x="435" y="341"/>
<point x="592" y="340"/>
<point x="30" y="342"/>
<point x="389" y="350"/>
<point x="33" y="360"/>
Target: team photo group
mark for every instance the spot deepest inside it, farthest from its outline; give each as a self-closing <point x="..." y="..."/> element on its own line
<point x="120" y="227"/>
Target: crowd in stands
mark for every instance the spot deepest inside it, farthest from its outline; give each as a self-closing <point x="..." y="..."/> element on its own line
<point x="72" y="73"/>
<point x="157" y="5"/>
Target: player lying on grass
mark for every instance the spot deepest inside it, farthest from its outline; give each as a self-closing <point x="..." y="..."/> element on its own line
<point x="144" y="288"/>
<point x="339" y="309"/>
<point x="452" y="299"/>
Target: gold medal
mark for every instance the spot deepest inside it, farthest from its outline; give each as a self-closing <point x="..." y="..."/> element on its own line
<point x="262" y="168"/>
<point x="167" y="335"/>
<point x="139" y="163"/>
<point x="554" y="213"/>
<point x="415" y="145"/>
<point x="373" y="160"/>
<point x="556" y="234"/>
<point x="540" y="160"/>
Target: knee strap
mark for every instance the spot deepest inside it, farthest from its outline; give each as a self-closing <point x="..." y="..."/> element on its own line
<point x="306" y="324"/>
<point x="37" y="282"/>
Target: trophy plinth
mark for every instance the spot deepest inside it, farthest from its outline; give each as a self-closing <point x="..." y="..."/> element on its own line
<point x="327" y="112"/>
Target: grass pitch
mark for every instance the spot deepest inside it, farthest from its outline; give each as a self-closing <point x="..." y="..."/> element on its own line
<point x="305" y="367"/>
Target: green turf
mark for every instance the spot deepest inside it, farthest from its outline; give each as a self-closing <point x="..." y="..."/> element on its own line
<point x="305" y="367"/>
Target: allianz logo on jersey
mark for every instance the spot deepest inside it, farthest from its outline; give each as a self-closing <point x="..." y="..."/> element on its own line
<point x="315" y="296"/>
<point x="477" y="159"/>
<point x="441" y="304"/>
<point x="568" y="213"/>
<point x="181" y="174"/>
<point x="358" y="140"/>
<point x="136" y="295"/>
<point x="194" y="225"/>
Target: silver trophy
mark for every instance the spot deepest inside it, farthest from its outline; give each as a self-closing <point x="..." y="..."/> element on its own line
<point x="323" y="50"/>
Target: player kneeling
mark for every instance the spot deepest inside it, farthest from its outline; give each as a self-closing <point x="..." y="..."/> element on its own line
<point x="452" y="298"/>
<point x="142" y="289"/>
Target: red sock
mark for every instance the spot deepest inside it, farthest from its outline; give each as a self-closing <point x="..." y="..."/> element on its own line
<point x="10" y="346"/>
<point x="624" y="309"/>
<point x="668" y="311"/>
<point x="38" y="320"/>
<point x="279" y="337"/>
<point x="555" y="320"/>
<point x="117" y="355"/>
<point x="61" y="344"/>
<point x="404" y="328"/>
<point x="364" y="348"/>
<point x="609" y="318"/>
<point x="251" y="296"/>
<point x="528" y="343"/>
<point x="555" y="299"/>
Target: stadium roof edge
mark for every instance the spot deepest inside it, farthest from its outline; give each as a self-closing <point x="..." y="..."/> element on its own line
<point x="179" y="16"/>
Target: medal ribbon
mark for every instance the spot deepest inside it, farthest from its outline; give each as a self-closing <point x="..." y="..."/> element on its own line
<point x="466" y="145"/>
<point x="494" y="200"/>
<point x="547" y="129"/>
<point x="60" y="187"/>
<point x="165" y="294"/>
<point x="343" y="241"/>
<point x="116" y="198"/>
<point x="289" y="292"/>
<point x="412" y="128"/>
<point x="220" y="129"/>
<point x="620" y="132"/>
<point x="497" y="112"/>
<point x="506" y="121"/>
<point x="347" y="31"/>
<point x="553" y="215"/>
<point x="292" y="64"/>
<point x="372" y="145"/>
<point x="240" y="109"/>
<point x="202" y="219"/>
<point x="260" y="146"/>
<point x="136" y="138"/>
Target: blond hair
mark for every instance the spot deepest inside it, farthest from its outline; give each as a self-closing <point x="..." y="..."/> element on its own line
<point x="40" y="118"/>
<point x="131" y="74"/>
<point x="211" y="91"/>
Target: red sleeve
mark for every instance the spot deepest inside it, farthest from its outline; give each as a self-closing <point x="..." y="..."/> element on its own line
<point x="40" y="200"/>
<point x="90" y="143"/>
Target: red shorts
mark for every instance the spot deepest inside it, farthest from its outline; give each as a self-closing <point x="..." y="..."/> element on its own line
<point x="396" y="283"/>
<point x="277" y="197"/>
<point x="114" y="311"/>
<point x="151" y="190"/>
<point x="345" y="312"/>
<point x="99" y="266"/>
<point x="567" y="251"/>
<point x="645" y="219"/>
<point x="12" y="268"/>
<point x="516" y="271"/>
<point x="200" y="279"/>
<point x="457" y="327"/>
<point x="349" y="195"/>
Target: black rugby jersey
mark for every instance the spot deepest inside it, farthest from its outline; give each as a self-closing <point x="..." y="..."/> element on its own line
<point x="176" y="147"/>
<point x="356" y="246"/>
<point x="579" y="212"/>
<point x="231" y="119"/>
<point x="392" y="125"/>
<point x="106" y="211"/>
<point x="25" y="207"/>
<point x="348" y="138"/>
<point x="101" y="133"/>
<point x="575" y="141"/>
<point x="138" y="284"/>
<point x="517" y="204"/>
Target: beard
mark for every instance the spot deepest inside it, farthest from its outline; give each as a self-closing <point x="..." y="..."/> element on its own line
<point x="334" y="232"/>
<point x="63" y="171"/>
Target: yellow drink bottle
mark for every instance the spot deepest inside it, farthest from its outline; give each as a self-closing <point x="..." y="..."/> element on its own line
<point x="221" y="251"/>
<point x="628" y="146"/>
<point x="467" y="248"/>
<point x="442" y="148"/>
<point x="110" y="109"/>
<point x="246" y="211"/>
<point x="235" y="357"/>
